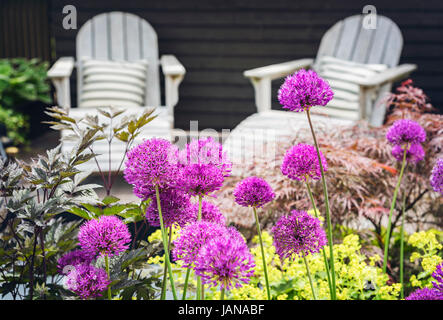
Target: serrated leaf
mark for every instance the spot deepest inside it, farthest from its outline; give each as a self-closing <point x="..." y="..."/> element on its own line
<point x="114" y="210"/>
<point x="81" y="213"/>
<point x="92" y="208"/>
<point x="132" y="127"/>
<point x="110" y="199"/>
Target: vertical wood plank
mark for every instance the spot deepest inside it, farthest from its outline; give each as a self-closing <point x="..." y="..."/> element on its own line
<point x="329" y="41"/>
<point x="133" y="37"/>
<point x="84" y="41"/>
<point x="116" y="36"/>
<point x="351" y="29"/>
<point x="380" y="39"/>
<point x="363" y="45"/>
<point x="100" y="37"/>
<point x="394" y="46"/>
<point x="150" y="53"/>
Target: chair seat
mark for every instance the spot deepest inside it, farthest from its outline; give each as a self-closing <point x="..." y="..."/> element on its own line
<point x="160" y="127"/>
<point x="259" y="133"/>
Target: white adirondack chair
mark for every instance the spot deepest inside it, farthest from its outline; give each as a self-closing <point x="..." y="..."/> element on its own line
<point x="347" y="47"/>
<point x="118" y="39"/>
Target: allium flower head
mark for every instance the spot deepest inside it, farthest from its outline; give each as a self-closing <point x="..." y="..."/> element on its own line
<point x="175" y="206"/>
<point x="153" y="162"/>
<point x="73" y="258"/>
<point x="210" y="213"/>
<point x="301" y="162"/>
<point x="225" y="261"/>
<point x="405" y="131"/>
<point x="87" y="281"/>
<point x="201" y="179"/>
<point x="204" y="165"/>
<point x="254" y="192"/>
<point x="438" y="276"/>
<point x="298" y="235"/>
<point x="426" y="294"/>
<point x="106" y="236"/>
<point x="304" y="89"/>
<point x="206" y="151"/>
<point x="437" y="176"/>
<point x="192" y="238"/>
<point x="414" y="154"/>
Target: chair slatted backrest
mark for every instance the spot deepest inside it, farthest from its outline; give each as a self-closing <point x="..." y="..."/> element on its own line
<point x="348" y="51"/>
<point x="124" y="37"/>
<point x="349" y="40"/>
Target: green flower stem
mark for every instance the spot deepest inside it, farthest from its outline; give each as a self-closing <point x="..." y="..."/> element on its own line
<point x="188" y="272"/>
<point x="328" y="213"/>
<point x="402" y="247"/>
<point x="394" y="201"/>
<point x="165" y="269"/>
<point x="109" y="276"/>
<point x="165" y="243"/>
<point x="199" y="286"/>
<point x="322" y="249"/>
<point x="222" y="295"/>
<point x="262" y="253"/>
<point x="200" y="293"/>
<point x="310" y="278"/>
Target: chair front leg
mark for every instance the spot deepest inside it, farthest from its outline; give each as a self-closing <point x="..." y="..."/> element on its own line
<point x="62" y="92"/>
<point x="365" y="102"/>
<point x="262" y="88"/>
<point x="172" y="83"/>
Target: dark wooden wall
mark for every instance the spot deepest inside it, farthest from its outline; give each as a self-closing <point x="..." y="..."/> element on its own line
<point x="217" y="40"/>
<point x="24" y="29"/>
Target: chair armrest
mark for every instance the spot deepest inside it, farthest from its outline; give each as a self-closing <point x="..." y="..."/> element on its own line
<point x="62" y="68"/>
<point x="174" y="73"/>
<point x="389" y="75"/>
<point x="279" y="70"/>
<point x="261" y="79"/>
<point x="171" y="66"/>
<point x="59" y="74"/>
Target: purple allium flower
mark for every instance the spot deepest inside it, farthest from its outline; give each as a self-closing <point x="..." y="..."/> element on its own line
<point x="405" y="131"/>
<point x="204" y="165"/>
<point x="301" y="162"/>
<point x="153" y="162"/>
<point x="304" y="89"/>
<point x="201" y="179"/>
<point x="426" y="294"/>
<point x="73" y="258"/>
<point x="192" y="238"/>
<point x="175" y="206"/>
<point x="254" y="192"/>
<point x="225" y="261"/>
<point x="414" y="154"/>
<point x="206" y="151"/>
<point x="87" y="281"/>
<point x="298" y="235"/>
<point x="438" y="275"/>
<point x="437" y="176"/>
<point x="106" y="236"/>
<point x="210" y="213"/>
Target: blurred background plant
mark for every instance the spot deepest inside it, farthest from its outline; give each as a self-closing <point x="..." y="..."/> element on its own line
<point x="361" y="178"/>
<point x="21" y="81"/>
<point x="45" y="200"/>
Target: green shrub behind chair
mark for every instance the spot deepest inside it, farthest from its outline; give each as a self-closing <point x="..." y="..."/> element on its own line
<point x="21" y="81"/>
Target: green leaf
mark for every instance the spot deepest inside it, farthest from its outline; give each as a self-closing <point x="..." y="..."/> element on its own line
<point x="93" y="209"/>
<point x="132" y="127"/>
<point x="109" y="200"/>
<point x="122" y="136"/>
<point x="110" y="211"/>
<point x="82" y="213"/>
